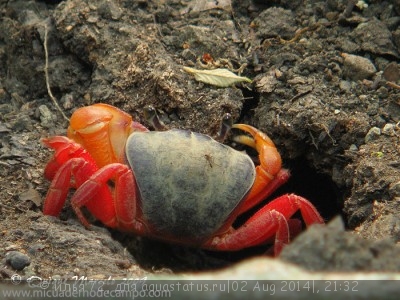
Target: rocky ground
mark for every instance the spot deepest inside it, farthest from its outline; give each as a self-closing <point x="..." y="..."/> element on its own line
<point x="325" y="88"/>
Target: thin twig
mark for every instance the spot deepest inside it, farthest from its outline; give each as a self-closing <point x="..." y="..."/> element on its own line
<point x="393" y="85"/>
<point x="301" y="94"/>
<point x="46" y="72"/>
<point x="299" y="33"/>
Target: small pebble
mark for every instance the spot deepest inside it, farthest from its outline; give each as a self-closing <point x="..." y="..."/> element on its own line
<point x="358" y="67"/>
<point x="392" y="72"/>
<point x="46" y="117"/>
<point x="11" y="247"/>
<point x="389" y="129"/>
<point x="372" y="134"/>
<point x="31" y="195"/>
<point x="67" y="101"/>
<point x="17" y="260"/>
<point x="353" y="147"/>
<point x="345" y="85"/>
<point x="35" y="248"/>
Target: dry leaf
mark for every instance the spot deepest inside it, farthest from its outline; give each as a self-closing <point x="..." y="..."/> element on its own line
<point x="202" y="5"/>
<point x="217" y="77"/>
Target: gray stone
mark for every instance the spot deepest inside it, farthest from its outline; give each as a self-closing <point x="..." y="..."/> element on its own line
<point x="372" y="134"/>
<point x="17" y="260"/>
<point x="358" y="67"/>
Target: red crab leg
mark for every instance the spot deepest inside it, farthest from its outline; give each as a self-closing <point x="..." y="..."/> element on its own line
<point x="124" y="214"/>
<point x="77" y="168"/>
<point x="57" y="194"/>
<point x="70" y="166"/>
<point x="269" y="221"/>
<point x="65" y="149"/>
<point x="69" y="159"/>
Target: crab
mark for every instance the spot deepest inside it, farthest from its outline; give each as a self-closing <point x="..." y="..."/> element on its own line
<point x="175" y="185"/>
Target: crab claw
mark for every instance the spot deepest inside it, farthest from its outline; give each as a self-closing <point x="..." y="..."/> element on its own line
<point x="65" y="150"/>
<point x="269" y="174"/>
<point x="270" y="159"/>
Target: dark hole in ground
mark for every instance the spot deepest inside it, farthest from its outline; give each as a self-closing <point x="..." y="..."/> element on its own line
<point x="251" y="100"/>
<point x="152" y="254"/>
<point x="317" y="188"/>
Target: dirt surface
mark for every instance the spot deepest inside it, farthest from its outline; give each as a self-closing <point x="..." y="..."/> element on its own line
<point x="325" y="88"/>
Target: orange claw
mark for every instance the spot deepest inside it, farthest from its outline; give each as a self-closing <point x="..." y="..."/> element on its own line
<point x="102" y="130"/>
<point x="270" y="159"/>
<point x="269" y="174"/>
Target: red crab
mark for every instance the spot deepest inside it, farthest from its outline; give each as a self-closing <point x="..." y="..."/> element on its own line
<point x="175" y="185"/>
